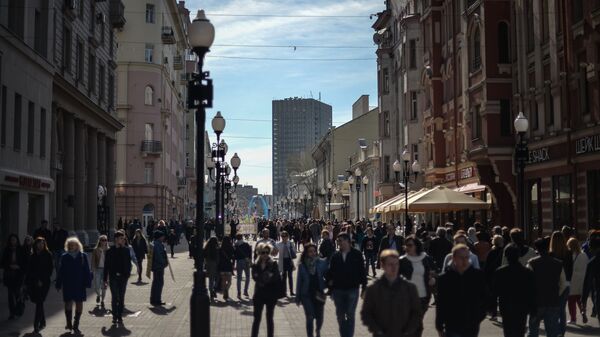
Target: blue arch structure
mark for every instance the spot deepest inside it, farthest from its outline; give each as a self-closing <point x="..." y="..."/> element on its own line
<point x="263" y="203"/>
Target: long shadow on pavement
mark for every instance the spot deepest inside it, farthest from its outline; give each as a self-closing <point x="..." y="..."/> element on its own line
<point x="162" y="310"/>
<point x="115" y="331"/>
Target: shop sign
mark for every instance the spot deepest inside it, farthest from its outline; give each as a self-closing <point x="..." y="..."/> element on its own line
<point x="464" y="173"/>
<point x="539" y="155"/>
<point x="27" y="182"/>
<point x="587" y="144"/>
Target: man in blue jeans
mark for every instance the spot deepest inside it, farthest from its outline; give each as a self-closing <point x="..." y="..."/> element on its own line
<point x="550" y="282"/>
<point x="243" y="260"/>
<point x="346" y="274"/>
<point x="159" y="263"/>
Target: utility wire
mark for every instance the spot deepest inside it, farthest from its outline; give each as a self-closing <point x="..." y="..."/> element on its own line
<point x="290" y="59"/>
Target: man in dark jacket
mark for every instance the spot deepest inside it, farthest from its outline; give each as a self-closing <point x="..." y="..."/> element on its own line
<point x="392" y="241"/>
<point x="439" y="248"/>
<point x="57" y="245"/>
<point x="392" y="306"/>
<point x="43" y="231"/>
<point x="592" y="274"/>
<point x="243" y="261"/>
<point x="514" y="285"/>
<point x="461" y="297"/>
<point x="346" y="273"/>
<point x="550" y="282"/>
<point x="159" y="263"/>
<point x="117" y="268"/>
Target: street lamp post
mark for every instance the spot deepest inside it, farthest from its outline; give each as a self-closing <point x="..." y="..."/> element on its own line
<point x="415" y="168"/>
<point x="521" y="157"/>
<point x="201" y="35"/>
<point x="329" y="195"/>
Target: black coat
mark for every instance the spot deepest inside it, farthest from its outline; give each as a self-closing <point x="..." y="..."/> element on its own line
<point x="349" y="274"/>
<point x="37" y="279"/>
<point x="514" y="285"/>
<point x="140" y="248"/>
<point x="438" y="249"/>
<point x="406" y="270"/>
<point x="493" y="262"/>
<point x="14" y="278"/>
<point x="385" y="244"/>
<point x="327" y="248"/>
<point x="226" y="260"/>
<point x="117" y="263"/>
<point x="267" y="282"/>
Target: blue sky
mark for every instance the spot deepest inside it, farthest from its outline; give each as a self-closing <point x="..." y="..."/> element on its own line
<point x="244" y="88"/>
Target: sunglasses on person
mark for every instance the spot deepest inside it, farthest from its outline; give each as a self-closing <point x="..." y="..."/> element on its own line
<point x="264" y="252"/>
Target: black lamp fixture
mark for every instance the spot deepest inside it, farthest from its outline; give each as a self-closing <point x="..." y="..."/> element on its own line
<point x="521" y="157"/>
<point x="415" y="168"/>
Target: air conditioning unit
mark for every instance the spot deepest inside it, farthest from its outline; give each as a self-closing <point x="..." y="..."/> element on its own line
<point x="100" y="18"/>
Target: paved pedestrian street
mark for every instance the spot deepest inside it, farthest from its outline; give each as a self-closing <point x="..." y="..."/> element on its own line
<point x="228" y="319"/>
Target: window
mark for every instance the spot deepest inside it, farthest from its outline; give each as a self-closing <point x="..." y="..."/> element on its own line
<point x="43" y="133"/>
<point x="413" y="105"/>
<point x="81" y="9"/>
<point x="40" y="43"/>
<point x="148" y="131"/>
<point x="92" y="19"/>
<point x="148" y="53"/>
<point x="577" y="10"/>
<point x="558" y="16"/>
<point x="16" y="17"/>
<point x="561" y="201"/>
<point x="386" y="168"/>
<point x="530" y="25"/>
<point x="30" y="127"/>
<point x="149" y="13"/>
<point x="412" y="56"/>
<point x="3" y="119"/>
<point x="386" y="81"/>
<point x="549" y="104"/>
<point x="386" y="123"/>
<point x="476" y="51"/>
<point x="415" y="152"/>
<point x="503" y="43"/>
<point x="187" y="159"/>
<point x="111" y="43"/>
<point x="544" y="16"/>
<point x="101" y="77"/>
<point x="505" y="118"/>
<point x="79" y="61"/>
<point x="149" y="173"/>
<point x="476" y="123"/>
<point x="17" y="121"/>
<point x="583" y="88"/>
<point x="91" y="72"/>
<point x="149" y="95"/>
<point x="111" y="90"/>
<point x="66" y="49"/>
<point x="593" y="197"/>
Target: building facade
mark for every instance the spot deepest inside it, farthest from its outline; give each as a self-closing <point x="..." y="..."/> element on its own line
<point x="298" y="124"/>
<point x="152" y="175"/>
<point x="62" y="98"/>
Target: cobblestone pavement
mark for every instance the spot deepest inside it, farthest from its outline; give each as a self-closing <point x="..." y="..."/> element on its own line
<point x="231" y="319"/>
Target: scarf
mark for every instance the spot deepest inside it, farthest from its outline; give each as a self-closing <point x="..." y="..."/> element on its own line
<point x="311" y="265"/>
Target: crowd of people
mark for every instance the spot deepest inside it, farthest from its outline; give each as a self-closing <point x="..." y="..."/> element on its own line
<point x="467" y="274"/>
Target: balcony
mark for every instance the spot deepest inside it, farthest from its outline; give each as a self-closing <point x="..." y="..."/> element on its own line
<point x="117" y="14"/>
<point x="178" y="62"/>
<point x="151" y="147"/>
<point x="168" y="37"/>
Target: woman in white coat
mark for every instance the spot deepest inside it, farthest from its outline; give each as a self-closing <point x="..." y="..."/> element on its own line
<point x="580" y="262"/>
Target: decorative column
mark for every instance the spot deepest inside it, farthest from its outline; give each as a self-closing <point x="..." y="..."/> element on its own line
<point x="92" y="185"/>
<point x="69" y="174"/>
<point x="110" y="182"/>
<point x="102" y="159"/>
<point x="79" y="202"/>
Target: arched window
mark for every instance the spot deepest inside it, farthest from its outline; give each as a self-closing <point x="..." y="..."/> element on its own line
<point x="503" y="43"/>
<point x="476" y="50"/>
<point x="149" y="95"/>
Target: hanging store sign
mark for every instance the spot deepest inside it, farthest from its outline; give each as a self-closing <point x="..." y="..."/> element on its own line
<point x="539" y="155"/>
<point x="587" y="144"/>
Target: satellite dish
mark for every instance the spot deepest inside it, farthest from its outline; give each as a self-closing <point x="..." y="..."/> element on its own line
<point x="377" y="38"/>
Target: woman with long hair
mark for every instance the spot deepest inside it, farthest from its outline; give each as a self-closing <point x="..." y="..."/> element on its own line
<point x="310" y="287"/>
<point x="211" y="263"/>
<point x="268" y="288"/>
<point x="580" y="262"/>
<point x="418" y="268"/>
<point x="225" y="266"/>
<point x="73" y="278"/>
<point x="559" y="250"/>
<point x="40" y="269"/>
<point x="98" y="256"/>
<point x="140" y="248"/>
<point x="13" y="264"/>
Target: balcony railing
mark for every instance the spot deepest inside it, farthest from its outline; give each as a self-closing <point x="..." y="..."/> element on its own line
<point x="151" y="146"/>
<point x="168" y="37"/>
<point x="178" y="62"/>
<point x="117" y="13"/>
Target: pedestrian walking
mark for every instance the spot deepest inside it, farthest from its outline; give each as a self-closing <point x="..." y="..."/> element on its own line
<point x="592" y="274"/>
<point x="43" y="231"/>
<point x="74" y="276"/>
<point x="419" y="269"/>
<point x="517" y="237"/>
<point x="494" y="261"/>
<point x="140" y="249"/>
<point x="514" y="286"/>
<point x="211" y="263"/>
<point x="57" y="243"/>
<point x="482" y="248"/>
<point x="189" y="233"/>
<point x="327" y="246"/>
<point x="550" y="282"/>
<point x="159" y="263"/>
<point x="310" y="288"/>
<point x="392" y="241"/>
<point x="225" y="265"/>
<point x="460" y="305"/>
<point x="580" y="263"/>
<point x="460" y="239"/>
<point x="117" y="268"/>
<point x="265" y="238"/>
<point x="98" y="262"/>
<point x="37" y="280"/>
<point x="285" y="262"/>
<point x="369" y="249"/>
<point x="268" y="288"/>
<point x="243" y="255"/>
<point x="439" y="247"/>
<point x="559" y="250"/>
<point x="392" y="306"/>
<point x="315" y="231"/>
<point x="346" y="274"/>
<point x="172" y="241"/>
<point x="14" y="264"/>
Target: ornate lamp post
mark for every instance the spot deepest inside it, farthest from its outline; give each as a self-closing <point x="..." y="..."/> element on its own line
<point x="201" y="35"/>
<point x="521" y="157"/>
<point x="306" y="197"/>
<point x="329" y="195"/>
<point x="357" y="180"/>
<point x="415" y="169"/>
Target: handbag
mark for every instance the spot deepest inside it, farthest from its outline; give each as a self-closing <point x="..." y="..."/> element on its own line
<point x="320" y="297"/>
<point x="291" y="252"/>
